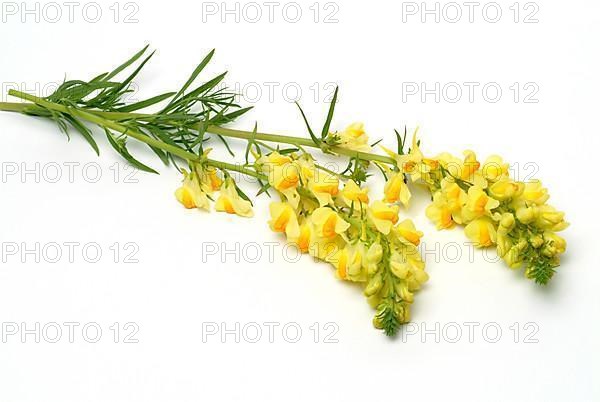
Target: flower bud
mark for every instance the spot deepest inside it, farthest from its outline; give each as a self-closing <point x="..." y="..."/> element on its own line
<point x="507" y="221"/>
<point x="536" y="241"/>
<point x="526" y="214"/>
<point x="374" y="285"/>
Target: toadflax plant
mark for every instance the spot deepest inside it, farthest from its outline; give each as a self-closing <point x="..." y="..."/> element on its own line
<point x="328" y="215"/>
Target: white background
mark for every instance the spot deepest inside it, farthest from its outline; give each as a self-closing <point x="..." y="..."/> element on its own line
<point x="171" y="294"/>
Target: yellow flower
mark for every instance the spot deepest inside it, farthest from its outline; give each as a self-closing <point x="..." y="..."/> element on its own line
<point x="494" y="168"/>
<point x="372" y="258"/>
<point x="513" y="257"/>
<point x="211" y="178"/>
<point x="470" y="172"/>
<point x="304" y="237"/>
<point x="504" y="243"/>
<point x="352" y="193"/>
<point x="326" y="249"/>
<point x="414" y="163"/>
<point x="527" y="214"/>
<point x="396" y="190"/>
<point x="285" y="179"/>
<point x="273" y="159"/>
<point x="284" y="219"/>
<point x="348" y="263"/>
<point x="549" y="218"/>
<point x="478" y="203"/>
<point x="482" y="232"/>
<point x="556" y="244"/>
<point x="439" y="212"/>
<point x="230" y="201"/>
<point x="535" y="193"/>
<point x="384" y="217"/>
<point x="454" y="197"/>
<point x="328" y="223"/>
<point x="306" y="167"/>
<point x="355" y="138"/>
<point x="191" y="194"/>
<point x="324" y="186"/>
<point x="411" y="271"/>
<point x="505" y="189"/>
<point x="406" y="229"/>
<point x="507" y="221"/>
<point x="283" y="175"/>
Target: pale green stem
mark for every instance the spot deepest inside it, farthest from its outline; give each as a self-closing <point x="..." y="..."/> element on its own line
<point x="110" y="124"/>
<point x="232" y="133"/>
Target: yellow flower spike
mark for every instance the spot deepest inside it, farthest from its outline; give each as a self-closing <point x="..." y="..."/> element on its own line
<point x="190" y="194"/>
<point x="494" y="168"/>
<point x="230" y="201"/>
<point x="534" y="193"/>
<point x="481" y="232"/>
<point x="407" y="230"/>
<point x="352" y="193"/>
<point x="505" y="189"/>
<point x="354" y="138"/>
<point x="324" y="186"/>
<point x="284" y="219"/>
<point x="328" y="223"/>
<point x="478" y="203"/>
<point x="439" y="212"/>
<point x="384" y="217"/>
<point x="396" y="190"/>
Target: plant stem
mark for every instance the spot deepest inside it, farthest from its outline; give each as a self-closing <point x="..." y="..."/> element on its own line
<point x="306" y="142"/>
<point x="110" y="124"/>
<point x="225" y="132"/>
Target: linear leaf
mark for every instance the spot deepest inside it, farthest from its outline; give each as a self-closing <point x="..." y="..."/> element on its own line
<point x="125" y="65"/>
<point x="145" y="103"/>
<point x="85" y="132"/>
<point x="327" y="124"/>
<point x="124" y="152"/>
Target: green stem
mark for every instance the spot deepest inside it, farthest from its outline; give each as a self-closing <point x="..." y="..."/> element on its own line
<point x="226" y="132"/>
<point x="305" y="142"/>
<point x="104" y="122"/>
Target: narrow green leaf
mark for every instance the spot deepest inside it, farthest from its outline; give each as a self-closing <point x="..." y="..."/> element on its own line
<point x="195" y="74"/>
<point x="145" y="103"/>
<point x="124" y="152"/>
<point x="125" y="65"/>
<point x="312" y="134"/>
<point x="84" y="131"/>
<point x="327" y="124"/>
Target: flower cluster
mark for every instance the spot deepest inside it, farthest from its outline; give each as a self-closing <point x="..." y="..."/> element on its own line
<point x="335" y="222"/>
<point x="495" y="209"/>
<point x="200" y="184"/>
